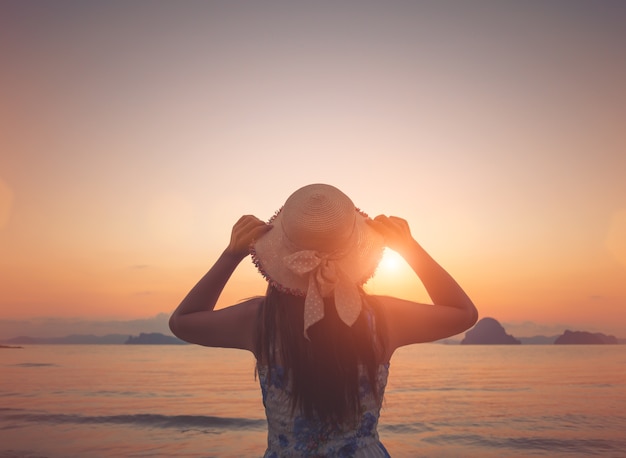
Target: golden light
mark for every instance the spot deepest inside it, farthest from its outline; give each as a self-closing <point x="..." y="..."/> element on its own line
<point x="171" y="217"/>
<point x="616" y="236"/>
<point x="390" y="262"/>
<point x="394" y="277"/>
<point x="6" y="201"/>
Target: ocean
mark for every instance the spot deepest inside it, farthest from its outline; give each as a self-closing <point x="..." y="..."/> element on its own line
<point x="189" y="401"/>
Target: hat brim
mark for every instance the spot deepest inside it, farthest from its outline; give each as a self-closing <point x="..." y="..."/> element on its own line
<point x="359" y="263"/>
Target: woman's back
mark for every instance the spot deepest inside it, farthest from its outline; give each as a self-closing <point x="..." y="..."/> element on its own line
<point x="324" y="367"/>
<point x="293" y="434"/>
<point x="322" y="393"/>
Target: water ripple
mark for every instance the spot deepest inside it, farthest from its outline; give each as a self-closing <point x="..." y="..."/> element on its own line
<point x="588" y="446"/>
<point x="147" y="420"/>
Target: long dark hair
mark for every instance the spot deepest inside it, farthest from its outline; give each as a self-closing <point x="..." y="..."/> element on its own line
<point x="324" y="371"/>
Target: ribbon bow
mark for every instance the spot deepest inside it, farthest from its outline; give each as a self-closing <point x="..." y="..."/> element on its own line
<point x="325" y="277"/>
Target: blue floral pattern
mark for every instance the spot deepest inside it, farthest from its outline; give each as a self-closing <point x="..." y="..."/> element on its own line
<point x="293" y="435"/>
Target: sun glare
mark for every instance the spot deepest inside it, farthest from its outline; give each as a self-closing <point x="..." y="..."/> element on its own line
<point x="390" y="262"/>
<point x="395" y="277"/>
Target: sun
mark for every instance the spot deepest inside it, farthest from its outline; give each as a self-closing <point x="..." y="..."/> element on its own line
<point x="390" y="262"/>
<point x="395" y="277"/>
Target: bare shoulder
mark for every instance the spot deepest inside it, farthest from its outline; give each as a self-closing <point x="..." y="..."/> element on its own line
<point x="249" y="305"/>
<point x="230" y="327"/>
<point x="408" y="322"/>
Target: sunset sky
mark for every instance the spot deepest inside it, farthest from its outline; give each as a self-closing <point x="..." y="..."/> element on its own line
<point x="134" y="134"/>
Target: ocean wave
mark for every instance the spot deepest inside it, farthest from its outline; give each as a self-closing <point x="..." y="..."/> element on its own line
<point x="184" y="422"/>
<point x="574" y="446"/>
<point x="20" y="454"/>
<point x="482" y="389"/>
<point x="406" y="428"/>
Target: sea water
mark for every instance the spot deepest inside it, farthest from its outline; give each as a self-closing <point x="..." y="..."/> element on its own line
<point x="189" y="401"/>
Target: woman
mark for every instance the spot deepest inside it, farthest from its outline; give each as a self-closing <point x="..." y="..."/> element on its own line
<point x="321" y="343"/>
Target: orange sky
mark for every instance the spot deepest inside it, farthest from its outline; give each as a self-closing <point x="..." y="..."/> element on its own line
<point x="133" y="136"/>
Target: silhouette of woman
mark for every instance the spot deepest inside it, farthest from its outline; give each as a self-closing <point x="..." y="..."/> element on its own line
<point x="322" y="345"/>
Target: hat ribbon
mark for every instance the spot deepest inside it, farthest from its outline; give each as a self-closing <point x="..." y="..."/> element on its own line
<point x="325" y="277"/>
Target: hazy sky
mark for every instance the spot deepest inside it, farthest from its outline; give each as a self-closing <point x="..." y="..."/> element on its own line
<point x="134" y="134"/>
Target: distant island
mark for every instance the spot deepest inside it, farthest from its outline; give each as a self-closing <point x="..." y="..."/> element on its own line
<point x="488" y="331"/>
<point x="74" y="339"/>
<point x="585" y="338"/>
<point x="88" y="339"/>
<point x="154" y="338"/>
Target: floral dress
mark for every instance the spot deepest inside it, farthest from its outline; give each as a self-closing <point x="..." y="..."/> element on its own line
<point x="292" y="435"/>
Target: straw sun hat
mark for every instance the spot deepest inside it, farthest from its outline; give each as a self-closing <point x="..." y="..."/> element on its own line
<point x="320" y="246"/>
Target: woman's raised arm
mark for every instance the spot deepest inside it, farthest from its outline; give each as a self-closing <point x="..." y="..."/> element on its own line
<point x="195" y="321"/>
<point x="452" y="311"/>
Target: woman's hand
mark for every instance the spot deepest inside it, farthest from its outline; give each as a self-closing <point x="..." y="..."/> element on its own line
<point x="247" y="229"/>
<point x="394" y="230"/>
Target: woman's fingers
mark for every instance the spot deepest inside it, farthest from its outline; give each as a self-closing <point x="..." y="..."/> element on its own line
<point x="395" y="230"/>
<point x="260" y="230"/>
<point x="245" y="230"/>
<point x="388" y="222"/>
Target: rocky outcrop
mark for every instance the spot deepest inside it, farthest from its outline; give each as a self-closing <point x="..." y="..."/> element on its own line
<point x="488" y="331"/>
<point x="584" y="338"/>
